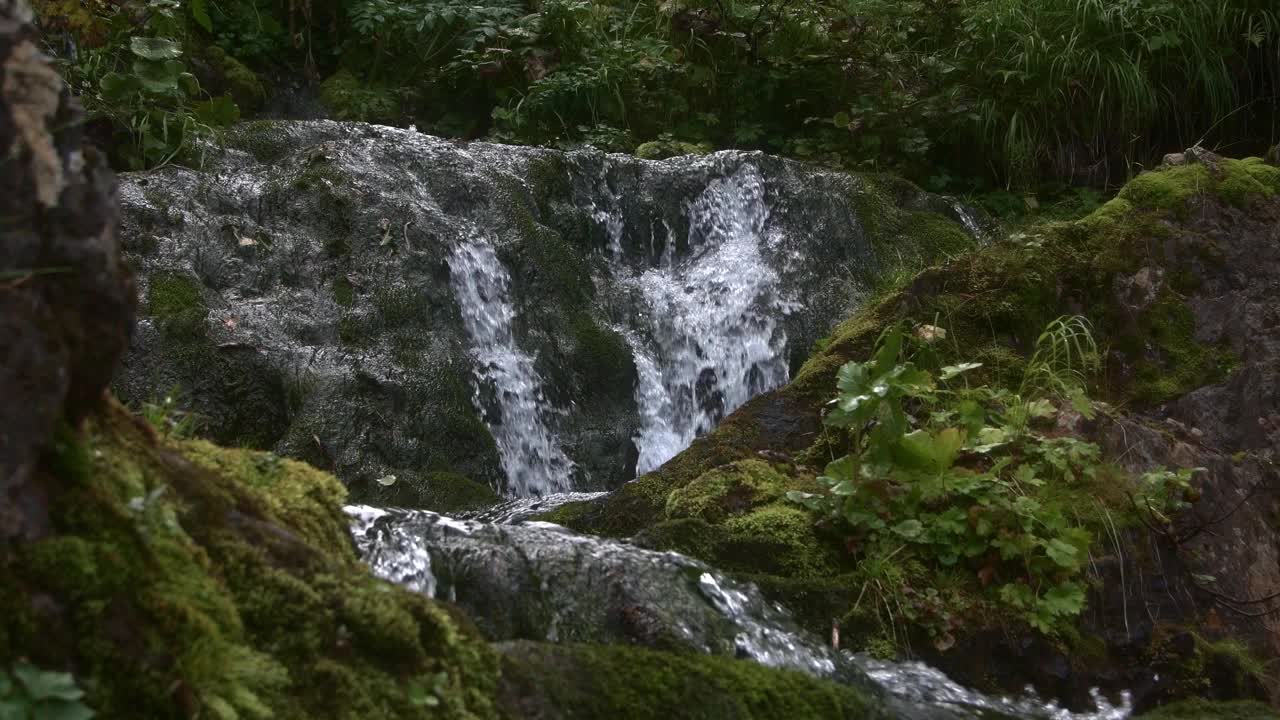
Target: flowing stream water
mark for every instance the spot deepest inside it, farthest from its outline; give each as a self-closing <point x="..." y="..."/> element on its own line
<point x="537" y="581"/>
<point x="509" y="394"/>
<point x="706" y="333"/>
<point x="706" y="337"/>
<point x="703" y="329"/>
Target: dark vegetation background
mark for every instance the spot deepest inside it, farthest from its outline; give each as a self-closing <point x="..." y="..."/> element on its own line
<point x="1004" y="100"/>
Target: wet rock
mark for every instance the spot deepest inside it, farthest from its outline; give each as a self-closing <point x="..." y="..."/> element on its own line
<point x="320" y="319"/>
<point x="66" y="299"/>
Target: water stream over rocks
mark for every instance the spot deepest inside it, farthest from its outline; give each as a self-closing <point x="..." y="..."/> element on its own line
<point x="537" y="581"/>
<point x="509" y="394"/>
<point x="382" y="303"/>
<point x="705" y="325"/>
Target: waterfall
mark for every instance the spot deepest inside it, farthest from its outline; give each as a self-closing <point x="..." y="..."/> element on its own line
<point x="508" y="392"/>
<point x="706" y="336"/>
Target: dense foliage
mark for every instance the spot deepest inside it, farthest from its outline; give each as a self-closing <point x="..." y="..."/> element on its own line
<point x="962" y="94"/>
<point x="974" y="477"/>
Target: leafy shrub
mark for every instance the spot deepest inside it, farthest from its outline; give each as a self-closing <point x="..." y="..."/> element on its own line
<point x="134" y="77"/>
<point x="959" y="474"/>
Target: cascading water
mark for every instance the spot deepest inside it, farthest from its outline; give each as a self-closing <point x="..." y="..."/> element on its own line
<point x="537" y="581"/>
<point x="509" y="393"/>
<point x="706" y="334"/>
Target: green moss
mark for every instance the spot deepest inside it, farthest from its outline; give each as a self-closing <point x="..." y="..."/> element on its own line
<point x="1236" y="181"/>
<point x="1246" y="179"/>
<point x="295" y="493"/>
<point x="1167" y="188"/>
<point x="351" y="331"/>
<point x="176" y="301"/>
<point x="932" y="236"/>
<point x="727" y="490"/>
<point x="1210" y="710"/>
<point x="669" y="148"/>
<point x="343" y="292"/>
<point x="778" y="540"/>
<point x="579" y="681"/>
<point x="225" y="583"/>
<point x="266" y="140"/>
<point x="1168" y="359"/>
<point x="400" y="306"/>
<point x="694" y="537"/>
<point x="600" y="356"/>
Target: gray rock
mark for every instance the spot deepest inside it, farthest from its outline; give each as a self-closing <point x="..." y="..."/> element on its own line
<point x="298" y="287"/>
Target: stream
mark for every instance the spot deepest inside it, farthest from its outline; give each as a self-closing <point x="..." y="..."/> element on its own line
<point x="521" y="579"/>
<point x="704" y="327"/>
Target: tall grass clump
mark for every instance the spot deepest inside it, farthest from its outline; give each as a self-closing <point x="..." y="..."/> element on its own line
<point x="1089" y="87"/>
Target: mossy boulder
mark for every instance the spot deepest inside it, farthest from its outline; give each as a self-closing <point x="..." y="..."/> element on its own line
<point x="728" y="490"/>
<point x="588" y="682"/>
<point x="1157" y="271"/>
<point x="226" y="583"/>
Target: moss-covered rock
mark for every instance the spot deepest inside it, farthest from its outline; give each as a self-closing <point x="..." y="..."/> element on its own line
<point x="668" y="147"/>
<point x="582" y="681"/>
<point x="224" y="581"/>
<point x="728" y="490"/>
<point x="1144" y="269"/>
<point x="177" y="303"/>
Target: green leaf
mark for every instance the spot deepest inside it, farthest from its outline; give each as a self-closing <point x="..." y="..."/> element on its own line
<point x="155" y="48"/>
<point x="844" y="488"/>
<point x="116" y="86"/>
<point x="933" y="453"/>
<point x="218" y="112"/>
<point x="1041" y="409"/>
<point x="951" y="371"/>
<point x="1081" y="402"/>
<point x="852" y="378"/>
<point x="1026" y="475"/>
<point x="41" y="685"/>
<point x="889" y="351"/>
<point x="13" y="710"/>
<point x="1065" y="599"/>
<point x="972" y="415"/>
<point x="200" y="12"/>
<point x="1064" y="554"/>
<point x="990" y="438"/>
<point x="909" y="529"/>
<point x="60" y="710"/>
<point x="158" y="78"/>
<point x="841" y="120"/>
<point x="189" y="84"/>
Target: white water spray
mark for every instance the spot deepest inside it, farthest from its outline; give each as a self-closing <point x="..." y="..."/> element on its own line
<point x="509" y="393"/>
<point x="707" y="338"/>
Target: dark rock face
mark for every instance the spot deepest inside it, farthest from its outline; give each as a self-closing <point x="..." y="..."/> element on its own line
<point x="66" y="299"/>
<point x="298" y="289"/>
